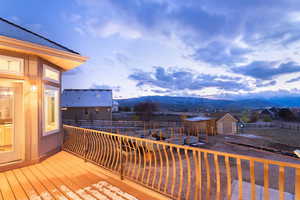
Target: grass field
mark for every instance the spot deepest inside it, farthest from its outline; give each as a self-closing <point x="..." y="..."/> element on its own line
<point x="284" y="136"/>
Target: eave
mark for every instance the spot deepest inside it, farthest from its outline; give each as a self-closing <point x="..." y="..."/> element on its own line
<point x="63" y="59"/>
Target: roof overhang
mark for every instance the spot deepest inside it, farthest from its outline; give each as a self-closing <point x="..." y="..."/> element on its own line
<point x="63" y="59"/>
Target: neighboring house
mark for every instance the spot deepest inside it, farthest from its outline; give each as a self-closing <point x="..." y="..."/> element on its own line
<point x="272" y="113"/>
<point x="115" y="106"/>
<point x="30" y="85"/>
<point x="87" y="104"/>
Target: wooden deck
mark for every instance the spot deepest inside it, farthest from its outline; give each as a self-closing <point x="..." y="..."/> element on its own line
<point x="65" y="176"/>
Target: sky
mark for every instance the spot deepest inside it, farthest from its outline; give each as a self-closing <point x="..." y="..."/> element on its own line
<point x="201" y="48"/>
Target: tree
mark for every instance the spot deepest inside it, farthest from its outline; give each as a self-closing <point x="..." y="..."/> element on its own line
<point x="145" y="110"/>
<point x="286" y="114"/>
<point x="267" y="118"/>
<point x="254" y="117"/>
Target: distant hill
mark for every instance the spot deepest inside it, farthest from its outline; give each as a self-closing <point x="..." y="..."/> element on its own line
<point x="197" y="104"/>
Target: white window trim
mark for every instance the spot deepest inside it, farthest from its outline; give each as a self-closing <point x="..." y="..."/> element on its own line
<point x="53" y="70"/>
<point x="46" y="133"/>
<point x="21" y="60"/>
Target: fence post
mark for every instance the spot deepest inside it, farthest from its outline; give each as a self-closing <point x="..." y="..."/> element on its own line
<point x="121" y="158"/>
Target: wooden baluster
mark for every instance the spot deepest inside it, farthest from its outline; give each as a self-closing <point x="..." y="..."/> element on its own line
<point x="155" y="165"/>
<point x="207" y="166"/>
<point x="144" y="158"/>
<point x="161" y="167"/>
<point x="174" y="171"/>
<point x="139" y="159"/>
<point x="188" y="187"/>
<point x="240" y="178"/>
<point x="281" y="183"/>
<point x="228" y="174"/>
<point x="266" y="182"/>
<point x="217" y="168"/>
<point x="135" y="160"/>
<point x="197" y="182"/>
<point x="252" y="180"/>
<point x="168" y="169"/>
<point x="181" y="174"/>
<point x="150" y="151"/>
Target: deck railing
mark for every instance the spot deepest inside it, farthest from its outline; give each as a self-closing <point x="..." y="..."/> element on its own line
<point x="183" y="172"/>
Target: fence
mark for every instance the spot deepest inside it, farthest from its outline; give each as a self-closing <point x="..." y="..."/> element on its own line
<point x="183" y="172"/>
<point x="122" y="124"/>
<point x="277" y="124"/>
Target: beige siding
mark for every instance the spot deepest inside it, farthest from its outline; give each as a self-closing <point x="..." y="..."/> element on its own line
<point x="227" y="125"/>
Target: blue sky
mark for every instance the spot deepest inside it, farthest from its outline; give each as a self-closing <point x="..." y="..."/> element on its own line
<point x="208" y="48"/>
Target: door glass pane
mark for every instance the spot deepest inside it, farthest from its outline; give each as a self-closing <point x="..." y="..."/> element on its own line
<point x="6" y="119"/>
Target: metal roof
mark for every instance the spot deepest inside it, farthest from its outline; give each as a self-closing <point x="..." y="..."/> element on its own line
<point x="15" y="31"/>
<point x="86" y="98"/>
<point x="199" y="118"/>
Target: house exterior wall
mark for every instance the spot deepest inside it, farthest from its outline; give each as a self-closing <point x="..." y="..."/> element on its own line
<point x="35" y="145"/>
<point x="91" y="113"/>
<point x="227" y="125"/>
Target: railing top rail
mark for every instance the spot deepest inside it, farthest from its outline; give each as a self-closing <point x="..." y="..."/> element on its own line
<point x="219" y="153"/>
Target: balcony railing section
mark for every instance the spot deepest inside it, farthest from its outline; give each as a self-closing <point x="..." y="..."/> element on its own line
<point x="184" y="172"/>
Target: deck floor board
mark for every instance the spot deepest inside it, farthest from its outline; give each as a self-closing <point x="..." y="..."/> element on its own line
<point x="65" y="177"/>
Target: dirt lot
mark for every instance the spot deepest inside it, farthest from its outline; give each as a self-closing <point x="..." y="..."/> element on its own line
<point x="283" y="136"/>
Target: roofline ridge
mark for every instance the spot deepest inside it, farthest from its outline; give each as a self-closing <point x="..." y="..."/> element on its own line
<point x="38" y="35"/>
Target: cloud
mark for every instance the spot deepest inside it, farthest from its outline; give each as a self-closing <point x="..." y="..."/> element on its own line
<point x="265" y="84"/>
<point x="218" y="53"/>
<point x="293" y="80"/>
<point x="182" y="79"/>
<point x="267" y="70"/>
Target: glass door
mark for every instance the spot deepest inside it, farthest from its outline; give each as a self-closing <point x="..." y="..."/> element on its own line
<point x="10" y="121"/>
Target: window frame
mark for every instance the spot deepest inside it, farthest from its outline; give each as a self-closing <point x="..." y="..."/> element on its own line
<point x="21" y="60"/>
<point x="58" y="129"/>
<point x="47" y="67"/>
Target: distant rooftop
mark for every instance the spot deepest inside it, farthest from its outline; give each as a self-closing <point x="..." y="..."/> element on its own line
<point x="15" y="31"/>
<point x="199" y="118"/>
<point x="87" y="98"/>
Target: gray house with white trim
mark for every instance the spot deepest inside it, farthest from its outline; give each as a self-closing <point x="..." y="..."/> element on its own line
<point x="87" y="104"/>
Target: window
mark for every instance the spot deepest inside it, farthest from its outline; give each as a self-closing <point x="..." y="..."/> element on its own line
<point x="11" y="65"/>
<point x="51" y="110"/>
<point x="86" y="112"/>
<point x="51" y="74"/>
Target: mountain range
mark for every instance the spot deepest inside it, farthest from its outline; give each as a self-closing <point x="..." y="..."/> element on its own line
<point x="194" y="103"/>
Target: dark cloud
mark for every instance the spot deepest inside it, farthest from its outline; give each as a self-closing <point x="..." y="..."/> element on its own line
<point x="218" y="53"/>
<point x="293" y="80"/>
<point x="267" y="70"/>
<point x="182" y="79"/>
<point x="265" y="84"/>
<point x="211" y="27"/>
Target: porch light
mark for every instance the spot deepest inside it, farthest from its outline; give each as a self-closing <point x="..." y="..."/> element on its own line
<point x="33" y="88"/>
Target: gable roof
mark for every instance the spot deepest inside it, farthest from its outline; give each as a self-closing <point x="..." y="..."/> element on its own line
<point x="86" y="98"/>
<point x="12" y="30"/>
<point x="228" y="115"/>
<point x="18" y="39"/>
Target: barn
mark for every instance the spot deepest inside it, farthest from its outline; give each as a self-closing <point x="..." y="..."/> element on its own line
<point x="87" y="104"/>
